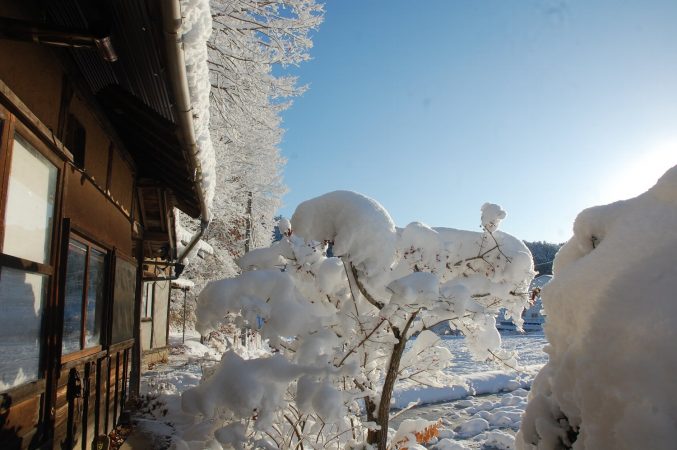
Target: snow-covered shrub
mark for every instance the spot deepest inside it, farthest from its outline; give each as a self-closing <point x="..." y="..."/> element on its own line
<point x="340" y="325"/>
<point x="612" y="314"/>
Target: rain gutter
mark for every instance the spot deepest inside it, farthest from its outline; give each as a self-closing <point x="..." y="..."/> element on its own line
<point x="171" y="25"/>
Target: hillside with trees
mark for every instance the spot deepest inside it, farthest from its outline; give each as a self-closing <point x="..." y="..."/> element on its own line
<point x="544" y="254"/>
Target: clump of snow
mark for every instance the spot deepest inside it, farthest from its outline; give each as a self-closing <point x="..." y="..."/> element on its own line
<point x="448" y="444"/>
<point x="269" y="295"/>
<point x="196" y="28"/>
<point x="609" y="383"/>
<point x="492" y="215"/>
<point x="500" y="440"/>
<point x="257" y="386"/>
<point x="472" y="427"/>
<point x="284" y="225"/>
<point x="183" y="283"/>
<point x="405" y="436"/>
<point x="360" y="228"/>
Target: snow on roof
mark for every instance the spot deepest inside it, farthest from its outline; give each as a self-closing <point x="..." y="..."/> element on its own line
<point x="196" y="28"/>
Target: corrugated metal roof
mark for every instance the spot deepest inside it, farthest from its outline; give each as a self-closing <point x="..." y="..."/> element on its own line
<point x="139" y="69"/>
<point x="134" y="27"/>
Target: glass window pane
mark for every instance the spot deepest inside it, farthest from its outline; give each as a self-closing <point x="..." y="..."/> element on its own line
<point x="31" y="194"/>
<point x="75" y="284"/>
<point x="95" y="293"/>
<point x="21" y="298"/>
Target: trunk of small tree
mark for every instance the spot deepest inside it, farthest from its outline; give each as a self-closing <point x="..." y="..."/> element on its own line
<point x="248" y="224"/>
<point x="370" y="406"/>
<point x="380" y="437"/>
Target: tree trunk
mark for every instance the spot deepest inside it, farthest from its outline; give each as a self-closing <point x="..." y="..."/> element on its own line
<point x="380" y="436"/>
<point x="248" y="224"/>
<point x="370" y="406"/>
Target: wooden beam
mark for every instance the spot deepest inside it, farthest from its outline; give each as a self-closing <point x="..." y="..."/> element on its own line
<point x="155" y="236"/>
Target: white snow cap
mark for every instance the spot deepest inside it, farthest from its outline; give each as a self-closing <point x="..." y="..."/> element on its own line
<point x="361" y="229"/>
<point x="183" y="283"/>
<point x="492" y="215"/>
<point x="611" y="306"/>
<point x="196" y="28"/>
<point x="284" y="225"/>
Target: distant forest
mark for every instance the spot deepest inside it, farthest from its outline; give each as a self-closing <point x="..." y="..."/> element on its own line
<point x="544" y="253"/>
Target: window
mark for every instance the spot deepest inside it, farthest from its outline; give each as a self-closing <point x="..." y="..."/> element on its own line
<point x="28" y="203"/>
<point x="29" y="210"/>
<point x="75" y="140"/>
<point x="22" y="295"/>
<point x="147" y="300"/>
<point x="83" y="296"/>
<point x="123" y="303"/>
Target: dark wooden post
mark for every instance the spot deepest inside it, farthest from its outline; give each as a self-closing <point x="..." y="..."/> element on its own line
<point x="135" y="373"/>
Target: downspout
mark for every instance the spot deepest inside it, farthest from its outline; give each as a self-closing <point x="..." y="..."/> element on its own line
<point x="171" y="24"/>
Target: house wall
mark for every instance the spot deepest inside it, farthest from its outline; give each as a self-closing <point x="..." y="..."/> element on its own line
<point x="98" y="201"/>
<point x="154" y="327"/>
<point x="34" y="76"/>
<point x="79" y="394"/>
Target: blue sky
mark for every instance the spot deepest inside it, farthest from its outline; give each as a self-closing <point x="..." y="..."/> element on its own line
<point x="435" y="107"/>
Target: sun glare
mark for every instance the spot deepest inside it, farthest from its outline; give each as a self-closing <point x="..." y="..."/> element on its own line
<point x="640" y="173"/>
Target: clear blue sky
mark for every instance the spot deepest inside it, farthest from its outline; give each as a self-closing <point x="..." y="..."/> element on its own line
<point x="435" y="107"/>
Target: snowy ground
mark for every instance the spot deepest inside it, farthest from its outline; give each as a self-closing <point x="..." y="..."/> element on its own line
<point x="484" y="413"/>
<point x="482" y="409"/>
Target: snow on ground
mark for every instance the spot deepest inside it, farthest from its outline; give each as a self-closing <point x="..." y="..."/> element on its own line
<point x="482" y="409"/>
<point x="161" y="386"/>
<point x="477" y="378"/>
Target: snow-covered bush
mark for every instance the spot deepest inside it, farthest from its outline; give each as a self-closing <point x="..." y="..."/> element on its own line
<point x="612" y="315"/>
<point x="339" y="325"/>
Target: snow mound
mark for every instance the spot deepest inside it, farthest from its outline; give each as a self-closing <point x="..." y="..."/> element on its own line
<point x="611" y="306"/>
<point x="472" y="427"/>
<point x="448" y="444"/>
<point x="500" y="440"/>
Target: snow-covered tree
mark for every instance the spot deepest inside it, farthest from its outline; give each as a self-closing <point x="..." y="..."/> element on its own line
<point x="339" y="326"/>
<point x="249" y="38"/>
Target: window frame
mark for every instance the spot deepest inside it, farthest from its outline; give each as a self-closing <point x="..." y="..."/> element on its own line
<point x="148" y="301"/>
<point x="81" y="238"/>
<point x="11" y="125"/>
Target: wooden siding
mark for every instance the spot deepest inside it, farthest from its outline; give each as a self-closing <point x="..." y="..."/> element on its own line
<point x="105" y="384"/>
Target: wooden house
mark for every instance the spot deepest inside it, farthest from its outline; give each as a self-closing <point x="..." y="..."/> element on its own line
<point x="97" y="147"/>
